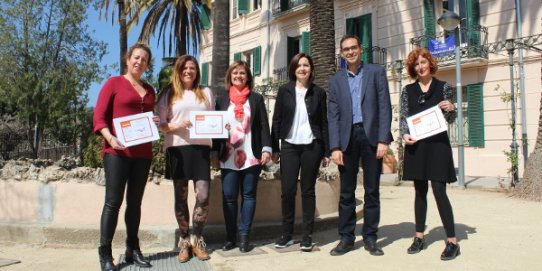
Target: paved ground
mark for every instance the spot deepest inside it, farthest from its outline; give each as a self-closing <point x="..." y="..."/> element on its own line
<point x="496" y="232"/>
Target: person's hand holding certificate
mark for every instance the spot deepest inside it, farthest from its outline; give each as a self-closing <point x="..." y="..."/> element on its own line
<point x="208" y="124"/>
<point x="136" y="129"/>
<point x="427" y="123"/>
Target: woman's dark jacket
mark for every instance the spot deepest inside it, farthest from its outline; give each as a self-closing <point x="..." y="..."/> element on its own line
<point x="283" y="116"/>
<point x="259" y="124"/>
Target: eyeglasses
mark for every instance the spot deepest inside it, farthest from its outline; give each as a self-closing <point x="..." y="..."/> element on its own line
<point x="346" y="49"/>
<point x="421" y="99"/>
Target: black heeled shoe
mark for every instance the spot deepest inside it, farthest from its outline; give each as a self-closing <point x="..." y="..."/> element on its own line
<point x="417" y="245"/>
<point x="450" y="251"/>
<point x="244" y="244"/>
<point x="135" y="256"/>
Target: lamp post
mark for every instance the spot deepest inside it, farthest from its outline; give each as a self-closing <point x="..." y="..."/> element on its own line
<point x="398" y="68"/>
<point x="450" y="21"/>
<point x="514" y="145"/>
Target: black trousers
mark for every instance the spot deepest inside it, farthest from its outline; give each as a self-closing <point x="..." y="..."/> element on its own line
<point x="293" y="160"/>
<point x="358" y="149"/>
<point x="123" y="173"/>
<point x="443" y="205"/>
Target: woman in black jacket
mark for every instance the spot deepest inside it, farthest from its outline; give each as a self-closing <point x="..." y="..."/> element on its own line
<point x="300" y="121"/>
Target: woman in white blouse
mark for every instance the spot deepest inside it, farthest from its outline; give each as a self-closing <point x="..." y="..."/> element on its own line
<point x="300" y="122"/>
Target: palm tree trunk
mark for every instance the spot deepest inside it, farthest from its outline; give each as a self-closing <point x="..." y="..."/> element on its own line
<point x="531" y="185"/>
<point x="221" y="44"/>
<point x="322" y="22"/>
<point x="123" y="36"/>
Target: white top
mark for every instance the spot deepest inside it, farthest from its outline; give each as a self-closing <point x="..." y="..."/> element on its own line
<point x="179" y="111"/>
<point x="239" y="154"/>
<point x="301" y="132"/>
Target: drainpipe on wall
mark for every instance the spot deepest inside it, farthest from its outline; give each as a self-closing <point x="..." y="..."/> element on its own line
<point x="524" y="142"/>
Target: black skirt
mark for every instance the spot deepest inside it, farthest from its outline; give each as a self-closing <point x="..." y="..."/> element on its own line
<point x="189" y="162"/>
<point x="430" y="159"/>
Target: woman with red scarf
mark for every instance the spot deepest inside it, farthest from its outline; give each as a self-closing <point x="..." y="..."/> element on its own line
<point x="243" y="153"/>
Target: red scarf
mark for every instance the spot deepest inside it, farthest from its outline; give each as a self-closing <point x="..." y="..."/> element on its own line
<point x="239" y="98"/>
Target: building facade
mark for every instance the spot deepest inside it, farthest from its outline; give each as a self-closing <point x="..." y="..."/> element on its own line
<point x="267" y="33"/>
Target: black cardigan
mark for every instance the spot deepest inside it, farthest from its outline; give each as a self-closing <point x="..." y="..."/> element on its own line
<point x="283" y="116"/>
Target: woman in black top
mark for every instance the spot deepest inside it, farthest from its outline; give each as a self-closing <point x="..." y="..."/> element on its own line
<point x="300" y="121"/>
<point x="429" y="158"/>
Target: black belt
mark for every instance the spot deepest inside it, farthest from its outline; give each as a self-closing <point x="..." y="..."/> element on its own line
<point x="358" y="125"/>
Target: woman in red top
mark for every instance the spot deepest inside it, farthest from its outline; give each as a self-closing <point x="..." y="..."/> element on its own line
<point x="125" y="167"/>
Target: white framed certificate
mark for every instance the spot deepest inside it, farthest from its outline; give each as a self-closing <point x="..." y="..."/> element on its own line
<point x="427" y="123"/>
<point x="208" y="124"/>
<point x="136" y="129"/>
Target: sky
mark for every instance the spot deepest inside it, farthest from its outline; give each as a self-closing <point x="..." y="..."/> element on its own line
<point x="108" y="33"/>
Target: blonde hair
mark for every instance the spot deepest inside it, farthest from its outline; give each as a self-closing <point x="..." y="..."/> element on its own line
<point x="177" y="89"/>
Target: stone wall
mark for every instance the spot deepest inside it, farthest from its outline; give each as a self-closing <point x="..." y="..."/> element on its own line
<point x="66" y="170"/>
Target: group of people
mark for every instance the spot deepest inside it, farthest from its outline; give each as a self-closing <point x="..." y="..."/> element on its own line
<point x="349" y="125"/>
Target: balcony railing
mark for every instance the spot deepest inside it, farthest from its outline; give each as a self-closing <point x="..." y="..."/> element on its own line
<point x="473" y="43"/>
<point x="374" y="55"/>
<point x="286" y="5"/>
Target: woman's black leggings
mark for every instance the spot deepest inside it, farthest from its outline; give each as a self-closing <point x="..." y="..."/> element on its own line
<point x="120" y="173"/>
<point x="443" y="205"/>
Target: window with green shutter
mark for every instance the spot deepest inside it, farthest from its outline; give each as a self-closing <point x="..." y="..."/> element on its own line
<point x="473" y="31"/>
<point x="475" y="114"/>
<point x="292" y="48"/>
<point x="306" y="43"/>
<point x="362" y="27"/>
<point x="205" y="74"/>
<point x="429" y="21"/>
<point x="243" y="6"/>
<point x="257" y="63"/>
<point x="237" y="56"/>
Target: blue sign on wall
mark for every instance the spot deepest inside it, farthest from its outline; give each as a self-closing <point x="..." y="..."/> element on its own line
<point x="439" y="48"/>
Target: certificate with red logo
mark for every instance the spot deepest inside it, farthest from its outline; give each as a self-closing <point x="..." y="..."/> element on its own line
<point x="427" y="123"/>
<point x="136" y="129"/>
<point x="208" y="124"/>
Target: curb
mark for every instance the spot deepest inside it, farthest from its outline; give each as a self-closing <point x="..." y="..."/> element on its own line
<point x="87" y="236"/>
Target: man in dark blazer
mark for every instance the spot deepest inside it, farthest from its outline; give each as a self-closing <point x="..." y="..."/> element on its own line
<point x="359" y="119"/>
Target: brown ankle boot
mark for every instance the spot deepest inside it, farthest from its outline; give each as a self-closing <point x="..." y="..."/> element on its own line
<point x="184" y="254"/>
<point x="198" y="248"/>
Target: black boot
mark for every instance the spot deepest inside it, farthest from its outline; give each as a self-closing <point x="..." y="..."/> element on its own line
<point x="134" y="255"/>
<point x="106" y="258"/>
<point x="244" y="244"/>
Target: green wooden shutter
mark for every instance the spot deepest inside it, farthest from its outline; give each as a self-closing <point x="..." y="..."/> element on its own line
<point x="237" y="56"/>
<point x="475" y="113"/>
<point x="257" y="63"/>
<point x="350" y="26"/>
<point x="243" y="6"/>
<point x="284" y="5"/>
<point x="473" y="28"/>
<point x="290" y="49"/>
<point x="306" y="42"/>
<point x="205" y="17"/>
<point x="429" y="21"/>
<point x="205" y="74"/>
<point x="366" y="35"/>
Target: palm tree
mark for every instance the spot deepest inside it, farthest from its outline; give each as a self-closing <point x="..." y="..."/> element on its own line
<point x="178" y="21"/>
<point x="221" y="43"/>
<point x="128" y="15"/>
<point x="322" y="39"/>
